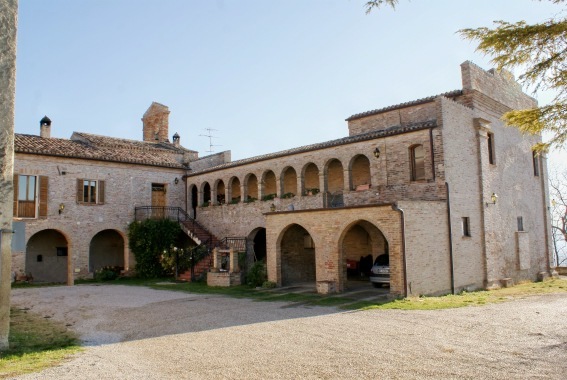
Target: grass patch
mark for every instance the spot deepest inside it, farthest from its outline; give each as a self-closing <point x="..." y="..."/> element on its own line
<point x="35" y="343"/>
<point x="473" y="298"/>
<point x="347" y="302"/>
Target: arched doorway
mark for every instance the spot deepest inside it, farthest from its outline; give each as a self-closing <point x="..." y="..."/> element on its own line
<point x="257" y="239"/>
<point x="297" y="256"/>
<point x="47" y="256"/>
<point x="194" y="200"/>
<point x="106" y="249"/>
<point x="360" y="246"/>
<point x="206" y="194"/>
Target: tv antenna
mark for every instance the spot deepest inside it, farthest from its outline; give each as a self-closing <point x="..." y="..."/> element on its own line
<point x="211" y="137"/>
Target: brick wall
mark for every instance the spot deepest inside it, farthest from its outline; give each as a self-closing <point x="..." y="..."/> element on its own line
<point x="126" y="186"/>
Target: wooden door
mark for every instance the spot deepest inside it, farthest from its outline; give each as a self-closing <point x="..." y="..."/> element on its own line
<point x="158" y="200"/>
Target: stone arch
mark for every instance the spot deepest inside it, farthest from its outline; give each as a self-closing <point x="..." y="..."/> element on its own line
<point x="206" y="191"/>
<point x="234" y="186"/>
<point x="220" y="190"/>
<point x="269" y="183"/>
<point x="48" y="257"/>
<point x="310" y="178"/>
<point x="361" y="242"/>
<point x="257" y="241"/>
<point x="193" y="200"/>
<point x="251" y="183"/>
<point x="106" y="249"/>
<point x="289" y="181"/>
<point x="334" y="175"/>
<point x="297" y="254"/>
<point x="360" y="171"/>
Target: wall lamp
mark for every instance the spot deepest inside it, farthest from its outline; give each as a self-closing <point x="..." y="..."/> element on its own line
<point x="176" y="180"/>
<point x="61" y="208"/>
<point x="493" y="199"/>
<point x="273" y="207"/>
<point x="377" y="152"/>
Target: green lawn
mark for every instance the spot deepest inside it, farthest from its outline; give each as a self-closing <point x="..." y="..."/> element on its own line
<point x="35" y="343"/>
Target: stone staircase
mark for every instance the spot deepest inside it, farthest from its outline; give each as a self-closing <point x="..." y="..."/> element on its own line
<point x="200" y="235"/>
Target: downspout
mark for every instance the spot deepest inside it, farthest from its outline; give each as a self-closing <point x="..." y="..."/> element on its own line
<point x="403" y="220"/>
<point x="450" y="239"/>
<point x="546" y="217"/>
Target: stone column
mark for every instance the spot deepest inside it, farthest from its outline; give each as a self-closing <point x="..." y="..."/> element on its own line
<point x="8" y="26"/>
<point x="234" y="268"/>
<point x="216" y="260"/>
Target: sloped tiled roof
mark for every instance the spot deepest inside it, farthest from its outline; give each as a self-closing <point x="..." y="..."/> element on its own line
<point x="450" y="94"/>
<point x="328" y="144"/>
<point x="93" y="147"/>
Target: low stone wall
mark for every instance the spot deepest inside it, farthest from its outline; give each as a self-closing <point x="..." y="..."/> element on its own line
<point x="223" y="279"/>
<point x="561" y="270"/>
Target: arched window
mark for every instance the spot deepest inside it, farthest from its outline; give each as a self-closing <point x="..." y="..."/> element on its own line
<point x="417" y="163"/>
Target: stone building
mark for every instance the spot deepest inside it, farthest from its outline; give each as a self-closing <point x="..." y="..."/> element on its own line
<point x="452" y="196"/>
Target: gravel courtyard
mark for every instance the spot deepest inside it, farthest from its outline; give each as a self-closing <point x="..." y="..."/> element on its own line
<point x="139" y="333"/>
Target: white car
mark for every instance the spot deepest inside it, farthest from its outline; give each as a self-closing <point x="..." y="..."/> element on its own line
<point x="380" y="272"/>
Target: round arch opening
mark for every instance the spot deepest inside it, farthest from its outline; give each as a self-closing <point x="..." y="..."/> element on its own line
<point x="362" y="245"/>
<point x="47" y="257"/>
<point x="106" y="249"/>
<point x="297" y="256"/>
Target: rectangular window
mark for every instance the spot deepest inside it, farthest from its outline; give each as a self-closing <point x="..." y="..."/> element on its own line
<point x="417" y="157"/>
<point x="26" y="196"/>
<point x="90" y="191"/>
<point x="466" y="226"/>
<point x="30" y="196"/>
<point x="535" y="160"/>
<point x="520" y="223"/>
<point x="491" y="155"/>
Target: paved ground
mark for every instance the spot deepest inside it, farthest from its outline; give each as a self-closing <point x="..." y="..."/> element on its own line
<point x="139" y="333"/>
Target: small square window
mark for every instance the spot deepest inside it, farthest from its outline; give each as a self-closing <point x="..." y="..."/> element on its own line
<point x="466" y="226"/>
<point x="520" y="223"/>
<point x="62" y="251"/>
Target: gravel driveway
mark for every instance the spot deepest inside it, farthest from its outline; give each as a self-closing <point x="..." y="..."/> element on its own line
<point x="140" y="333"/>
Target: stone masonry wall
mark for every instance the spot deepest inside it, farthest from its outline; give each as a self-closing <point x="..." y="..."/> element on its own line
<point x="402" y="116"/>
<point x="126" y="186"/>
<point x="462" y="173"/>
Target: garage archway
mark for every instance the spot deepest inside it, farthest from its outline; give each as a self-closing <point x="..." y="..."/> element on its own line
<point x="297" y="256"/>
<point x="360" y="244"/>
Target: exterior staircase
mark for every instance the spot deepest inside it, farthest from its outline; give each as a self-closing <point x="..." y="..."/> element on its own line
<point x="196" y="232"/>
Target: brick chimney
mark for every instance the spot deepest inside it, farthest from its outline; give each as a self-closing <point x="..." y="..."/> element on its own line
<point x="156" y="123"/>
<point x="45" y="127"/>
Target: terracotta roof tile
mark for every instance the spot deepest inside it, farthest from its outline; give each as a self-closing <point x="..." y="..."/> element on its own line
<point x="93" y="147"/>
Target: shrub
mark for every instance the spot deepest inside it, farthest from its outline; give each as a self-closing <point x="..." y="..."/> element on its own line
<point x="257" y="274"/>
<point x="148" y="241"/>
<point x="107" y="273"/>
<point x="269" y="285"/>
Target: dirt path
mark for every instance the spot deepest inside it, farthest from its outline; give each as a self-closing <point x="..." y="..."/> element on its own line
<point x="140" y="333"/>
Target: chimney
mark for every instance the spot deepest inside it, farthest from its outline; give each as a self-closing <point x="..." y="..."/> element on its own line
<point x="156" y="123"/>
<point x="176" y="139"/>
<point x="45" y="127"/>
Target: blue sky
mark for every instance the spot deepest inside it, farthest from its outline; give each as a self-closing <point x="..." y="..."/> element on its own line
<point x="267" y="75"/>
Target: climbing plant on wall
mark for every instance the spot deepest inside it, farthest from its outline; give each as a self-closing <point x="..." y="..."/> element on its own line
<point x="148" y="240"/>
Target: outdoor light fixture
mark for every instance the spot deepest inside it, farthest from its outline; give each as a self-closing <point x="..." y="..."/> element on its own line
<point x="61" y="208"/>
<point x="493" y="199"/>
<point x="273" y="207"/>
<point x="176" y="180"/>
<point x="377" y="152"/>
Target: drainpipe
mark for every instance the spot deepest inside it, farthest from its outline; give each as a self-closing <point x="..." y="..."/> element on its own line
<point x="396" y="208"/>
<point x="450" y="239"/>
<point x="432" y="152"/>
